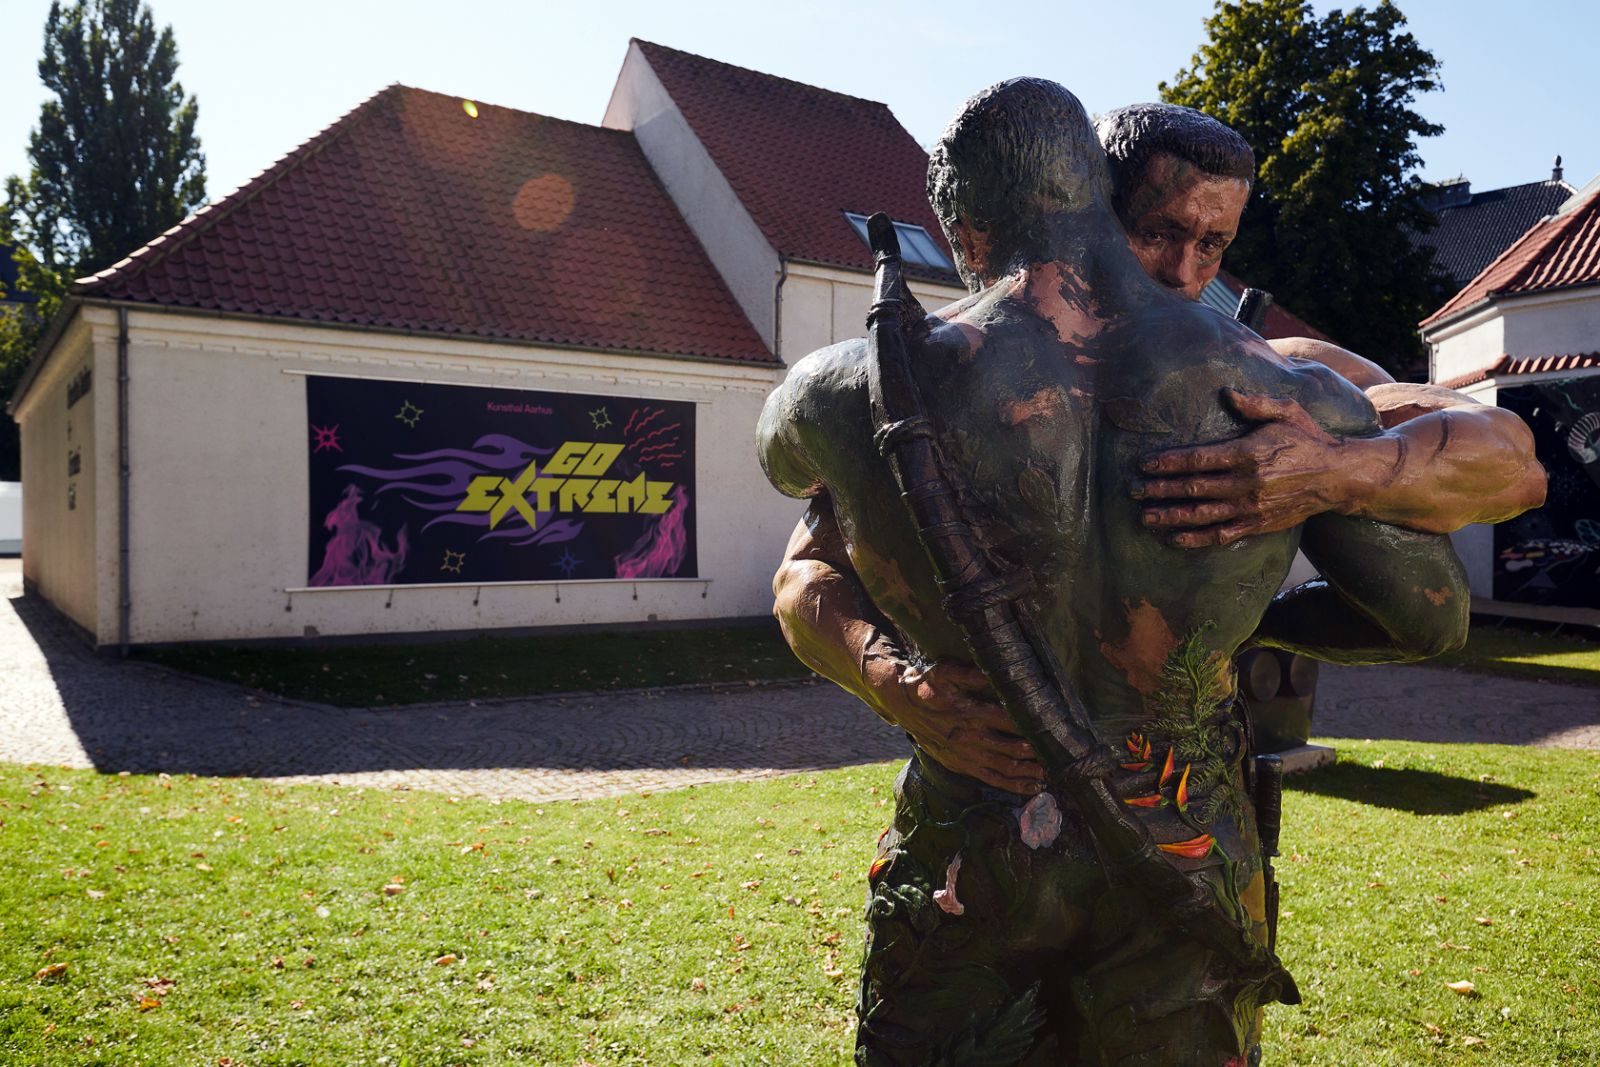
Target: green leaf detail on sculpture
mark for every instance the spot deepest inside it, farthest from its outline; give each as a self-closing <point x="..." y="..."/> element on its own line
<point x="1000" y="1041"/>
<point x="1192" y="704"/>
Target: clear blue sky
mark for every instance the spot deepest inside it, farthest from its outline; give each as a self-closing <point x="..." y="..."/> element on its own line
<point x="268" y="76"/>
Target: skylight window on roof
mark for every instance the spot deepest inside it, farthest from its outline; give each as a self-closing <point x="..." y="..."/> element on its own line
<point x="916" y="247"/>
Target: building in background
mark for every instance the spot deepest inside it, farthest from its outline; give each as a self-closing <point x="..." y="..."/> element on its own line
<point x="455" y="367"/>
<point x="1525" y="334"/>
<point x="1472" y="229"/>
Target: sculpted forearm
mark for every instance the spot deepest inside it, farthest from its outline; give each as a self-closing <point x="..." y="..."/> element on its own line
<point x="1444" y="462"/>
<point x="1388" y="595"/>
<point x="836" y="630"/>
<point x="823" y="609"/>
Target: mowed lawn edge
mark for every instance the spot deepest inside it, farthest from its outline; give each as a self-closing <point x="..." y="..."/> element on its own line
<point x="487" y="667"/>
<point x="194" y="920"/>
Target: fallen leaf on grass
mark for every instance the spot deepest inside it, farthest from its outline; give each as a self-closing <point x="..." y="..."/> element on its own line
<point x="1433" y="1029"/>
<point x="1483" y="921"/>
<point x="392" y="890"/>
<point x="697" y="984"/>
<point x="450" y="957"/>
<point x="1462" y="988"/>
<point x="158" y="986"/>
<point x="54" y="970"/>
<point x="1469" y="1041"/>
<point x="148" y="1003"/>
<point x="95" y="894"/>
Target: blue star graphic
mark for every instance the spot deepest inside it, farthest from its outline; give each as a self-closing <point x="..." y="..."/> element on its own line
<point x="568" y="563"/>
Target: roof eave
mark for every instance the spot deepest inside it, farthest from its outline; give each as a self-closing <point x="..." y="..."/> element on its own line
<point x="765" y="359"/>
<point x="41" y="351"/>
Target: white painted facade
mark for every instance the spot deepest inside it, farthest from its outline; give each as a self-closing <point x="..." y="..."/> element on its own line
<point x="218" y="485"/>
<point x="69" y="531"/>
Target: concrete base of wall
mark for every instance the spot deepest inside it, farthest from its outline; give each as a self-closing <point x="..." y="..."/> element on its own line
<point x="430" y="637"/>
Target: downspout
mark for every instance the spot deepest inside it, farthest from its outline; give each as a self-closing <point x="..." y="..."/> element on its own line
<point x="124" y="597"/>
<point x="777" y="304"/>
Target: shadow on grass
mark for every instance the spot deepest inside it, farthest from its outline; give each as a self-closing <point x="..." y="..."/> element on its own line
<point x="1407" y="789"/>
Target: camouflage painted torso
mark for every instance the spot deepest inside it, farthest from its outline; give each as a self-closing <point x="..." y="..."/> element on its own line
<point x="1044" y="412"/>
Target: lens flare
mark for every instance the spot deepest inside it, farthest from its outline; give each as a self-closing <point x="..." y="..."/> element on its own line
<point x="470" y="108"/>
<point x="543" y="203"/>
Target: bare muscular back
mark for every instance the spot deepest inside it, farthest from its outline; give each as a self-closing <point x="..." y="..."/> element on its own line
<point x="1045" y="409"/>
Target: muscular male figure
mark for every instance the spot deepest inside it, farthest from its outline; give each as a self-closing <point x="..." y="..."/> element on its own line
<point x="1180" y="181"/>
<point x="992" y="926"/>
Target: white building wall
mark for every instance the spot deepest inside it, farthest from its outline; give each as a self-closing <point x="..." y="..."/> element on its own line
<point x="1467" y="346"/>
<point x="1555" y="324"/>
<point x="732" y="240"/>
<point x="219" y="487"/>
<point x="824" y="305"/>
<point x="63" y="514"/>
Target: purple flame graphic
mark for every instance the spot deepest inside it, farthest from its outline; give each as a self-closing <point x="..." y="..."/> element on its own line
<point x="437" y="481"/>
<point x="660" y="549"/>
<point x="355" y="554"/>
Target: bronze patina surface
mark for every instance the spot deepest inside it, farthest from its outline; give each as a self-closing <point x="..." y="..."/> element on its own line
<point x="998" y="933"/>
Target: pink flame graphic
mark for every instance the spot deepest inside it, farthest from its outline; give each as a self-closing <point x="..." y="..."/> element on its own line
<point x="355" y="554"/>
<point x="660" y="549"/>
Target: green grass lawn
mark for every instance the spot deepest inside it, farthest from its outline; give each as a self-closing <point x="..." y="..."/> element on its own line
<point x="484" y="667"/>
<point x="209" y="921"/>
<point x="1528" y="654"/>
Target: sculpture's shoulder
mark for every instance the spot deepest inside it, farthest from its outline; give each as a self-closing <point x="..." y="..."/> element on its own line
<point x="818" y="408"/>
<point x="1181" y="355"/>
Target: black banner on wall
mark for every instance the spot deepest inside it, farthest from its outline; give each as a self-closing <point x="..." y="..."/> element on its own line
<point x="419" y="483"/>
<point x="1551" y="555"/>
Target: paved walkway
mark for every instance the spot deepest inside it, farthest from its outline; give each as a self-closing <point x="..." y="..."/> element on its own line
<point x="61" y="704"/>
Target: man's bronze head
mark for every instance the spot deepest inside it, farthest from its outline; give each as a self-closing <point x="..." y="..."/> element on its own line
<point x="1016" y="153"/>
<point x="1180" y="180"/>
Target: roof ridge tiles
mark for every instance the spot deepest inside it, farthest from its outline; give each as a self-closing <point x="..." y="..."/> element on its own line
<point x="751" y="70"/>
<point x="1535" y="261"/>
<point x="169" y="241"/>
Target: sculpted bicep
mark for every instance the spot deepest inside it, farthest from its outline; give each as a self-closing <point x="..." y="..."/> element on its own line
<point x="810" y="419"/>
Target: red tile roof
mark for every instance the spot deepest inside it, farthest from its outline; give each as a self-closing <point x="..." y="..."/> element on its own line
<point x="1280" y="321"/>
<point x="1506" y="366"/>
<point x="410" y="213"/>
<point x="799" y="157"/>
<point x="1556" y="253"/>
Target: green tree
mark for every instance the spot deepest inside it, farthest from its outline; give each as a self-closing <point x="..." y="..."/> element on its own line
<point x="1327" y="106"/>
<point x="115" y="161"/>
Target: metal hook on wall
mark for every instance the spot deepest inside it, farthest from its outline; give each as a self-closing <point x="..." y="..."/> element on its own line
<point x="477" y="594"/>
<point x="558" y="592"/>
<point x="390" y="602"/>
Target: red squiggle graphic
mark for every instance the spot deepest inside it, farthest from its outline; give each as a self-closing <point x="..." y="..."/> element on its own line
<point x="355" y="554"/>
<point x="660" y="550"/>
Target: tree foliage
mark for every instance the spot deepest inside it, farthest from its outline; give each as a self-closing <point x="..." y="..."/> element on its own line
<point x="115" y="161"/>
<point x="1327" y="104"/>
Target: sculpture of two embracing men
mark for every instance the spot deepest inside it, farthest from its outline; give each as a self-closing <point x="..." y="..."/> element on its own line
<point x="1075" y="873"/>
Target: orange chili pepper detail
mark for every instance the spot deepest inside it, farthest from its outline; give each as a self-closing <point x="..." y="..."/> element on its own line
<point x="1135" y="766"/>
<point x="1194" y="848"/>
<point x="1166" y="769"/>
<point x="1150" y="801"/>
<point x="1183" y="789"/>
<point x="879" y="865"/>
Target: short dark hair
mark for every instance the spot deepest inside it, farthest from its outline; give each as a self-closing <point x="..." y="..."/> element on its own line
<point x="1015" y="151"/>
<point x="1134" y="134"/>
